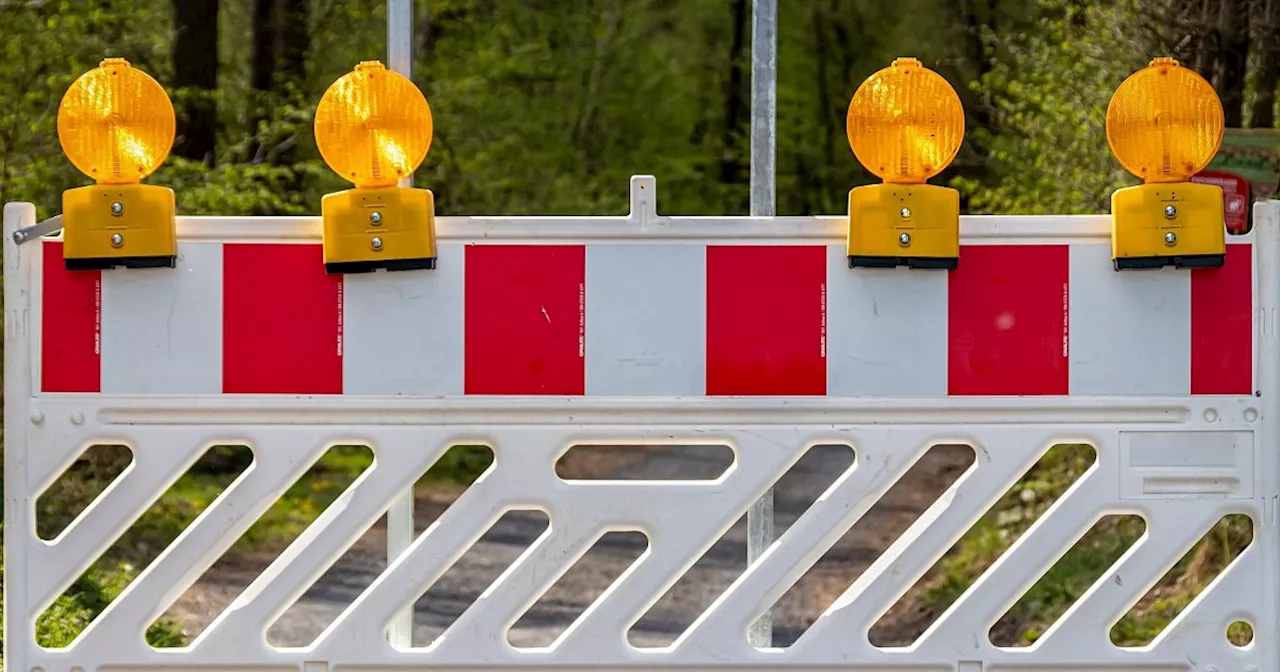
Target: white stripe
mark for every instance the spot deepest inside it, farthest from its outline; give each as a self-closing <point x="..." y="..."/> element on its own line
<point x="646" y="319"/>
<point x="162" y="327"/>
<point x="1130" y="331"/>
<point x="886" y="330"/>
<point x="402" y="330"/>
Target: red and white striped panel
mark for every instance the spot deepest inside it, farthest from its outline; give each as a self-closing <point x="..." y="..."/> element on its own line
<point x="684" y="318"/>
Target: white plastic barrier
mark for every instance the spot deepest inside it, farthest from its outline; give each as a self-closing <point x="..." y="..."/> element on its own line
<point x="536" y="334"/>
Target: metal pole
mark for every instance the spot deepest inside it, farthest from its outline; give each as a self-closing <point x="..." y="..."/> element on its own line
<point x="400" y="513"/>
<point x="764" y="105"/>
<point x="764" y="109"/>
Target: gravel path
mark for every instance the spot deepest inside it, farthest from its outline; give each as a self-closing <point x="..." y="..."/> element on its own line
<point x="557" y="609"/>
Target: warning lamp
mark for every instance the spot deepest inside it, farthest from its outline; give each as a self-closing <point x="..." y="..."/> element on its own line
<point x="116" y="125"/>
<point x="905" y="125"/>
<point x="373" y="127"/>
<point x="1164" y="125"/>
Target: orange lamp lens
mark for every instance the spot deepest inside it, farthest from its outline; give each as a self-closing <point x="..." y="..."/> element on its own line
<point x="373" y="126"/>
<point x="116" y="123"/>
<point x="905" y="123"/>
<point x="1164" y="122"/>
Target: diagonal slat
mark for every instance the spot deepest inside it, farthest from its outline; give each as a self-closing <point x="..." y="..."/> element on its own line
<point x="1175" y="531"/>
<point x="419" y="566"/>
<point x="61" y="444"/>
<point x="817" y="529"/>
<point x="402" y="456"/>
<point x="113" y="512"/>
<point x="919" y="547"/>
<point x="484" y="624"/>
<point x="207" y="537"/>
<point x="1047" y="540"/>
<point x="676" y="541"/>
<point x="1235" y="594"/>
<point x="510" y="484"/>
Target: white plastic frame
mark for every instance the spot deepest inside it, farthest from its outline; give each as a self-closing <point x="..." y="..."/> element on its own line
<point x="44" y="432"/>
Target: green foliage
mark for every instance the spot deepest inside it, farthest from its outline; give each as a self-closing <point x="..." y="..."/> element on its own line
<point x="1071" y="576"/>
<point x="1047" y="147"/>
<point x="190" y="495"/>
<point x="460" y="466"/>
<point x="548" y="107"/>
<point x="1029" y="498"/>
<point x="1190" y="575"/>
<point x="48" y="45"/>
<point x="91" y="593"/>
<point x="196" y="489"/>
<point x="1078" y="568"/>
<point x="539" y="107"/>
<point x="240" y="188"/>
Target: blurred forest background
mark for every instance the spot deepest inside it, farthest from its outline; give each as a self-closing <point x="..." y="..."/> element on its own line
<point x="548" y="106"/>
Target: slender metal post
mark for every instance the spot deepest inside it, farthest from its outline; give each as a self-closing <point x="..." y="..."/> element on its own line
<point x="764" y="105"/>
<point x="764" y="108"/>
<point x="400" y="513"/>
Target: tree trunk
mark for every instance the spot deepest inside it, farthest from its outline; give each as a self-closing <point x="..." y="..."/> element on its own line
<point x="1209" y="42"/>
<point x="295" y="39"/>
<point x="975" y="22"/>
<point x="264" y="54"/>
<point x="830" y="121"/>
<point x="426" y="33"/>
<point x="1231" y="61"/>
<point x="291" y="80"/>
<point x="195" y="75"/>
<point x="735" y="103"/>
<point x="1266" y="43"/>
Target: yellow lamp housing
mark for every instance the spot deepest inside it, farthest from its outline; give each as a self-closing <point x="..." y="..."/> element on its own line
<point x="373" y="127"/>
<point x="905" y="125"/>
<point x="116" y="125"/>
<point x="1164" y="125"/>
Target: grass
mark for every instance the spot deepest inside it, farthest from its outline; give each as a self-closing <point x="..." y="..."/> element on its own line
<point x="173" y="511"/>
<point x="1079" y="567"/>
<point x="87" y="597"/>
<point x="298" y="506"/>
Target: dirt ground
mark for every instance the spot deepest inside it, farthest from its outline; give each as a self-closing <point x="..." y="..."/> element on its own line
<point x="706" y="580"/>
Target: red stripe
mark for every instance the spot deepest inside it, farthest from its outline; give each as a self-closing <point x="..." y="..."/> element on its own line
<point x="1007" y="320"/>
<point x="766" y="320"/>
<point x="281" y="321"/>
<point x="1222" y="325"/>
<point x="525" y="319"/>
<point x="71" y="326"/>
